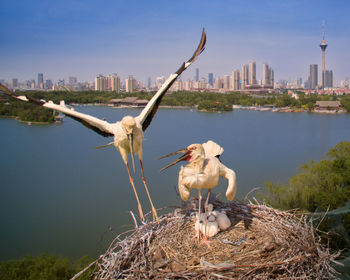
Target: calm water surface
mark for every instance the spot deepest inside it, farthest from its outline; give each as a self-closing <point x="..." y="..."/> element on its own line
<point x="60" y="195"/>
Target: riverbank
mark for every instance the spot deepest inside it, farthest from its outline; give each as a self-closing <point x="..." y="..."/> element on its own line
<point x="234" y="107"/>
<point x="27" y="122"/>
<point x="286" y="109"/>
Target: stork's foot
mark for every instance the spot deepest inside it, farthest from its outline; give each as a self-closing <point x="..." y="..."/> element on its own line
<point x="205" y="241"/>
<point x="197" y="236"/>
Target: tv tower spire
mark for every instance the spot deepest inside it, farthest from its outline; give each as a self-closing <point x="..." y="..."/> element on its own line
<point x="323" y="46"/>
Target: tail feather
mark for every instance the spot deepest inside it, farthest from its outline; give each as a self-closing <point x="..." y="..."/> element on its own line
<point x="212" y="149"/>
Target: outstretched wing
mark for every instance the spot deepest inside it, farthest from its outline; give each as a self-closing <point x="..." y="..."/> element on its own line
<point x="150" y="110"/>
<point x="102" y="127"/>
<point x="230" y="175"/>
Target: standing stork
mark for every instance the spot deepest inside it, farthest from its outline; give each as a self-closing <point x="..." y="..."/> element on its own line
<point x="128" y="133"/>
<point x="202" y="172"/>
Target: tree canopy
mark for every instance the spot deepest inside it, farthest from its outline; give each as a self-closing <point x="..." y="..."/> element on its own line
<point x="317" y="186"/>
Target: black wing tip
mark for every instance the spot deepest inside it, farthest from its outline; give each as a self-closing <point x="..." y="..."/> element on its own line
<point x="197" y="52"/>
<point x="200" y="47"/>
<point x="9" y="92"/>
<point x="6" y="90"/>
<point x="35" y="101"/>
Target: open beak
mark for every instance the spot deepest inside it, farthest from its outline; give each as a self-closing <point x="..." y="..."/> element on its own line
<point x="131" y="146"/>
<point x="186" y="154"/>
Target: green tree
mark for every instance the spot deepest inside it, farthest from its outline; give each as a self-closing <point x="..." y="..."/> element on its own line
<point x="317" y="186"/>
<point x="43" y="267"/>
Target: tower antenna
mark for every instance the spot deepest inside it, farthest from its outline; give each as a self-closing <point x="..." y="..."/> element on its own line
<point x="322" y="29"/>
<point x="323" y="46"/>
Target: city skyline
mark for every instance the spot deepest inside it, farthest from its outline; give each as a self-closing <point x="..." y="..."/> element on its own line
<point x="147" y="39"/>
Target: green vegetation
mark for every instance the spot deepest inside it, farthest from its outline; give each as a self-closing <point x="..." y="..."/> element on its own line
<point x="206" y="101"/>
<point x="345" y="101"/>
<point x="26" y="111"/>
<point x="44" y="267"/>
<point x="319" y="185"/>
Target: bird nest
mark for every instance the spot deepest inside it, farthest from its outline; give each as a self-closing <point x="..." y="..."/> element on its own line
<point x="262" y="243"/>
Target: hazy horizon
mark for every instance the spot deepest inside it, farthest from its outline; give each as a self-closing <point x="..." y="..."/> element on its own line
<point x="152" y="38"/>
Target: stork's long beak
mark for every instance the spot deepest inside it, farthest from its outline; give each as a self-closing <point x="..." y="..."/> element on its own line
<point x="186" y="155"/>
<point x="131" y="146"/>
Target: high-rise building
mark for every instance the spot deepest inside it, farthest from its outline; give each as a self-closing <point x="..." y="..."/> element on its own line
<point x="244" y="76"/>
<point x="48" y="84"/>
<point x="226" y="82"/>
<point x="160" y="81"/>
<point x="328" y="79"/>
<point x="101" y="83"/>
<point x="235" y="79"/>
<point x="323" y="46"/>
<point x="217" y="83"/>
<point x="14" y="83"/>
<point x="130" y="84"/>
<point x="197" y="75"/>
<point x="72" y="80"/>
<point x="40" y="80"/>
<point x="266" y="75"/>
<point x="272" y="77"/>
<point x="211" y="79"/>
<point x="313" y="76"/>
<point x="114" y="83"/>
<point x="299" y="82"/>
<point x="149" y="82"/>
<point x="61" y="82"/>
<point x="252" y="73"/>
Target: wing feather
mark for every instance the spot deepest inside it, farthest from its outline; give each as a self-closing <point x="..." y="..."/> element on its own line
<point x="102" y="127"/>
<point x="150" y="110"/>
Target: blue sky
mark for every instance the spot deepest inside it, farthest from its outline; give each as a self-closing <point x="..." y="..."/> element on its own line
<point x="151" y="38"/>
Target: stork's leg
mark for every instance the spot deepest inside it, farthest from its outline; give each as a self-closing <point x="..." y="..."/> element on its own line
<point x="198" y="233"/>
<point x="154" y="211"/>
<point x="205" y="239"/>
<point x="137" y="197"/>
<point x="207" y="201"/>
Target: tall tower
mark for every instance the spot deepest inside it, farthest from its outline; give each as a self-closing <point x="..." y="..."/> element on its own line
<point x="313" y="76"/>
<point x="40" y="80"/>
<point x="323" y="46"/>
<point x="235" y="79"/>
<point x="266" y="75"/>
<point x="211" y="79"/>
<point x="252" y="73"/>
<point x="244" y="76"/>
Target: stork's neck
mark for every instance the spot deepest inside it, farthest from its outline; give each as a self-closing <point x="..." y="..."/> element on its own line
<point x="197" y="163"/>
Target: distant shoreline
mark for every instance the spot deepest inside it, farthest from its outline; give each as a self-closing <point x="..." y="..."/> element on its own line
<point x="234" y="107"/>
<point x="27" y="122"/>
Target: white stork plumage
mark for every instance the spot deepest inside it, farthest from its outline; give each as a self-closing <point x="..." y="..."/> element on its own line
<point x="128" y="133"/>
<point x="203" y="171"/>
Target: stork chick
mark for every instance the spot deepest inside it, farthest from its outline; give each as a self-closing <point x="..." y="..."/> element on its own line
<point x="207" y="225"/>
<point x="222" y="220"/>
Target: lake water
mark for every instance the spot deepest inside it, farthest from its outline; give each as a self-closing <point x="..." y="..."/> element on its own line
<point x="60" y="195"/>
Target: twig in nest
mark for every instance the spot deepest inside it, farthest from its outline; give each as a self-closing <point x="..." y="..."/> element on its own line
<point x="133" y="217"/>
<point x="253" y="190"/>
